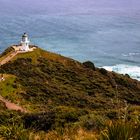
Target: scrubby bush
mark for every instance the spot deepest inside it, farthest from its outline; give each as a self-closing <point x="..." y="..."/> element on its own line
<point x="14" y="132"/>
<point x="54" y="119"/>
<point x="112" y="115"/>
<point x="92" y="122"/>
<point x="63" y="93"/>
<point x="127" y="75"/>
<point x="89" y="64"/>
<point x="42" y="121"/>
<point x="103" y="71"/>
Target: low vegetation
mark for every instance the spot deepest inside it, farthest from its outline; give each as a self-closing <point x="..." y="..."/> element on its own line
<point x="66" y="99"/>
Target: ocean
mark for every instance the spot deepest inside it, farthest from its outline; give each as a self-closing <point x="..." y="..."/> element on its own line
<point x="106" y="32"/>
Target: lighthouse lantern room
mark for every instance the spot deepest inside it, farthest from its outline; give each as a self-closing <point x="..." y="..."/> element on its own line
<point x="25" y="43"/>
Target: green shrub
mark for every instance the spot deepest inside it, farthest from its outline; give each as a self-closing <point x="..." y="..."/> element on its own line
<point x="103" y="71"/>
<point x="92" y="122"/>
<point x="89" y="64"/>
<point x="13" y="132"/>
<point x="112" y="115"/>
<point x="127" y="75"/>
<point x="121" y="131"/>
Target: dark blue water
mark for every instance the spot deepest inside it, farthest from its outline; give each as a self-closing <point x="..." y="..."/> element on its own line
<point x="106" y="32"/>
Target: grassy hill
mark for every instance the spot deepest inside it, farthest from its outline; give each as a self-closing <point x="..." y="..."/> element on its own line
<point x="62" y="95"/>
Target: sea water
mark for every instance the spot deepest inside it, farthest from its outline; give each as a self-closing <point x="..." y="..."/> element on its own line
<point x="106" y="32"/>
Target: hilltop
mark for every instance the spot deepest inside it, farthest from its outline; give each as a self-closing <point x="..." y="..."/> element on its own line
<point x="58" y="91"/>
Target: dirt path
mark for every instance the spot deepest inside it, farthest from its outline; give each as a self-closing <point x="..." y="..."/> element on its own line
<point x="8" y="104"/>
<point x="8" y="58"/>
<point x="13" y="54"/>
<point x="12" y="106"/>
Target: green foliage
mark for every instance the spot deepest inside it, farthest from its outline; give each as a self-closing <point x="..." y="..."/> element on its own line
<point x="10" y="88"/>
<point x="7" y="86"/>
<point x="112" y="114"/>
<point x="89" y="64"/>
<point x="92" y="122"/>
<point x="103" y="71"/>
<point x="46" y="76"/>
<point x="121" y="131"/>
<point x="11" y="126"/>
<point x="54" y="119"/>
<point x="60" y="92"/>
<point x="13" y="132"/>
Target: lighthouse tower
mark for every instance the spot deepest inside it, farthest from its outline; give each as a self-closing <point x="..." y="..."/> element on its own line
<point x="25" y="42"/>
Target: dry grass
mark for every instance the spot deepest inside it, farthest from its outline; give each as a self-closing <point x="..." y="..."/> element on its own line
<point x="68" y="134"/>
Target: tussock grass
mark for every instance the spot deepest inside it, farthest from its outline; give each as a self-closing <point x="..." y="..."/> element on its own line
<point x="121" y="131"/>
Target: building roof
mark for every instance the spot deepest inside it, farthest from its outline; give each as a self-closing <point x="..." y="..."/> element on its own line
<point x="24" y="35"/>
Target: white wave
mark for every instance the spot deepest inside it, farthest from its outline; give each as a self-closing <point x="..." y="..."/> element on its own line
<point x="132" y="71"/>
<point x="131" y="54"/>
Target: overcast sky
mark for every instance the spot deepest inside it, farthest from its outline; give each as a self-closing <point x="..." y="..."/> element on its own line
<point x="61" y="6"/>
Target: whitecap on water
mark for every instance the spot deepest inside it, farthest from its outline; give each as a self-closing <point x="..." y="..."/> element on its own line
<point x="132" y="71"/>
<point x="131" y="54"/>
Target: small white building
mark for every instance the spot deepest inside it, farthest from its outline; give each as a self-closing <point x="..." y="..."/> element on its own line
<point x="25" y="43"/>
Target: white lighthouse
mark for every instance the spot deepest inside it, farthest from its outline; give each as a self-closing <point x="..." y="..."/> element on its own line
<point x="25" y="43"/>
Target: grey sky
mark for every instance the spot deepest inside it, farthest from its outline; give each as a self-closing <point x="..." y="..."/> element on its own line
<point x="65" y="6"/>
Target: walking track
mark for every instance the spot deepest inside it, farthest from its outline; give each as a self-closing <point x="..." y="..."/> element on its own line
<point x="8" y="104"/>
<point x="11" y="106"/>
<point x="8" y="58"/>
